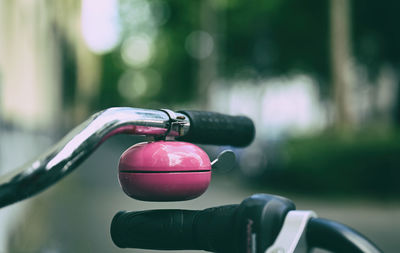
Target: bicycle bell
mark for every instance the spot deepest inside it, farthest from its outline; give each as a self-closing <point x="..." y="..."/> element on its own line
<point x="167" y="170"/>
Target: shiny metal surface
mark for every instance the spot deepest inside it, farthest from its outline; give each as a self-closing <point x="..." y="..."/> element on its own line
<point x="225" y="161"/>
<point x="74" y="148"/>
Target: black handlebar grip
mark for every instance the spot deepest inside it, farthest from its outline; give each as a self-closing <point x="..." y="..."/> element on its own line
<point x="219" y="129"/>
<point x="210" y="229"/>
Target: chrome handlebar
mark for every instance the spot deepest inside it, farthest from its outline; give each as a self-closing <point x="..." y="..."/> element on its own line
<point x="76" y="146"/>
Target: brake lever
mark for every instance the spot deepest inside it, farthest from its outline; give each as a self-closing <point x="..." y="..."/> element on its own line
<point x="292" y="237"/>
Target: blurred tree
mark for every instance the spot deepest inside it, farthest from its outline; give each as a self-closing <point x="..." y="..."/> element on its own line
<point x="278" y="36"/>
<point x="175" y="64"/>
<point x="252" y="39"/>
<point x="375" y="33"/>
<point x="268" y="37"/>
<point x="111" y="70"/>
<point x="376" y="40"/>
<point x="341" y="61"/>
<point x="169" y="75"/>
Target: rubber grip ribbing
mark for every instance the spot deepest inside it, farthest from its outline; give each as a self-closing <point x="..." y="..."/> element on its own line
<point x="218" y="129"/>
<point x="210" y="229"/>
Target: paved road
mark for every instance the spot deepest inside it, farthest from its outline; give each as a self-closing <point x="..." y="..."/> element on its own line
<point x="75" y="215"/>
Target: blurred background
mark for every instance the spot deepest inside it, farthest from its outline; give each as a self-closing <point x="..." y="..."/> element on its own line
<point x="320" y="79"/>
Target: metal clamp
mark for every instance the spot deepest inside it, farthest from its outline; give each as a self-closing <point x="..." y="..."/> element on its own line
<point x="178" y="124"/>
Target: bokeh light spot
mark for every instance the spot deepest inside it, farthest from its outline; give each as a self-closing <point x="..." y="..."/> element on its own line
<point x="100" y="27"/>
<point x="137" y="51"/>
<point x="132" y="85"/>
<point x="199" y="44"/>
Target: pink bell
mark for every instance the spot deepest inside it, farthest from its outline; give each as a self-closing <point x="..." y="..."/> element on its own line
<point x="164" y="171"/>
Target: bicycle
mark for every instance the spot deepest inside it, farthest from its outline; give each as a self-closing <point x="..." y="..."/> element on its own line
<point x="261" y="223"/>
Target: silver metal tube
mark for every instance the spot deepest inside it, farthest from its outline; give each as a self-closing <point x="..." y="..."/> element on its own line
<point x="74" y="148"/>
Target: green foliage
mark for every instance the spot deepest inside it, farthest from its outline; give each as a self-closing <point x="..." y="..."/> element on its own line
<point x="366" y="163"/>
<point x="268" y="38"/>
<point x="172" y="60"/>
<point x="275" y="37"/>
<point x="376" y="40"/>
